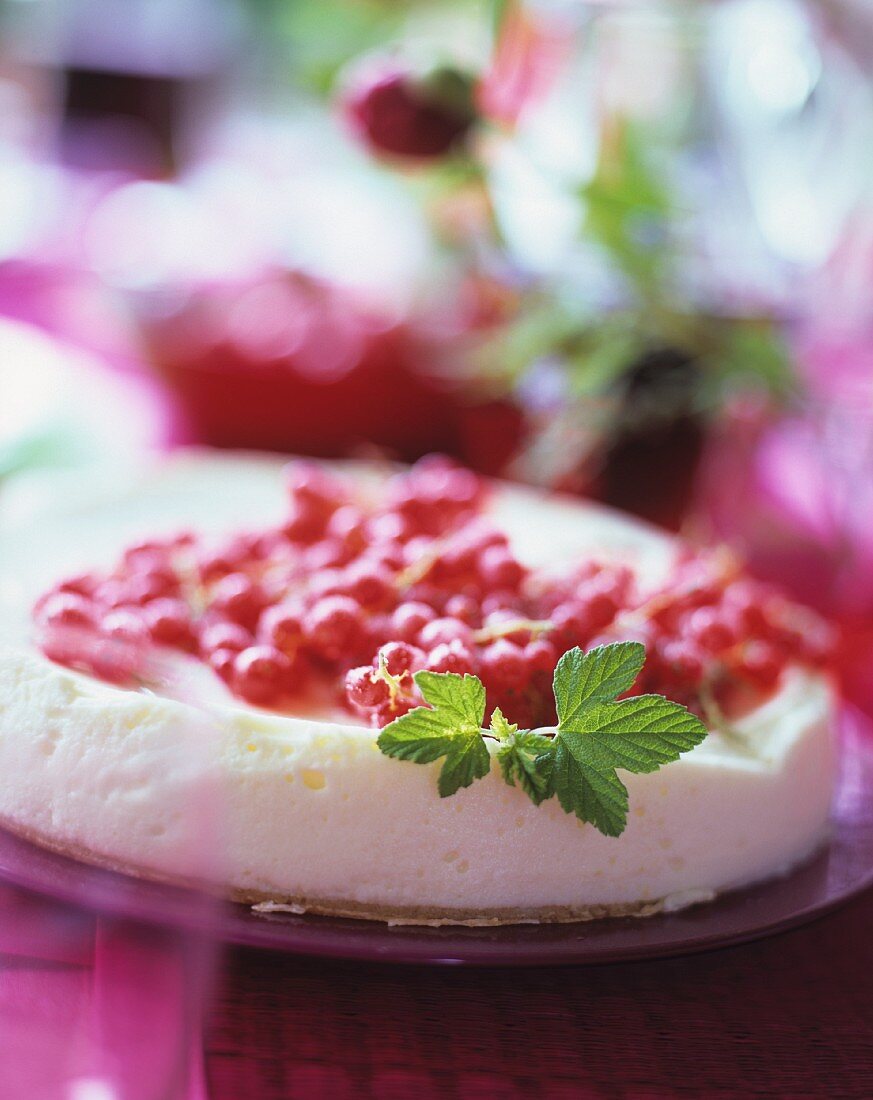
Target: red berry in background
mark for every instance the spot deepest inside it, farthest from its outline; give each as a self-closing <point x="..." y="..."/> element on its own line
<point x="281" y="627"/>
<point x="402" y="114"/>
<point x="409" y="618"/>
<point x="348" y="378"/>
<point x="451" y="657"/>
<point x="66" y="609"/>
<point x="712" y="629"/>
<point x="504" y="665"/>
<point x="238" y="598"/>
<point x="169" y="623"/>
<point x="399" y="657"/>
<point x="261" y="674"/>
<point x="334" y="628"/>
<point x="761" y="663"/>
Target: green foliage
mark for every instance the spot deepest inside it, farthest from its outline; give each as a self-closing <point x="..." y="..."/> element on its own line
<point x="596" y="735"/>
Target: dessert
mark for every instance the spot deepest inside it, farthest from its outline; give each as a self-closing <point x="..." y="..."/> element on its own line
<point x="265" y="641"/>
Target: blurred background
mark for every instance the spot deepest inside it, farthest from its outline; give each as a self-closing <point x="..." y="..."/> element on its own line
<point x="623" y="250"/>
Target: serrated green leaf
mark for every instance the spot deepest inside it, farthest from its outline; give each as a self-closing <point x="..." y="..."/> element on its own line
<point x="583" y="679"/>
<point x="451" y="727"/>
<point x="500" y="727"/>
<point x="643" y="732"/>
<point x="587" y="786"/>
<point x="636" y="735"/>
<point x="595" y="737"/>
<point x="420" y="736"/>
<point x="468" y="759"/>
<point x="460" y="700"/>
<point x="527" y="760"/>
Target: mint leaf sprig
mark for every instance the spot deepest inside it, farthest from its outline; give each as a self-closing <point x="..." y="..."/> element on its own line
<point x="577" y="762"/>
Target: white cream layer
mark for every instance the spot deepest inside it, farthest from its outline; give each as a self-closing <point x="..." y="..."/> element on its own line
<point x="306" y="810"/>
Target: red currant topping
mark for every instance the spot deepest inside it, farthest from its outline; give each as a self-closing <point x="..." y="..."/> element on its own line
<point x="416" y="579"/>
<point x="444" y="630"/>
<point x="409" y="618"/>
<point x="451" y="657"/>
<point x="541" y="656"/>
<point x="225" y="635"/>
<point x="169" y="623"/>
<point x="66" y="609"/>
<point x="400" y="658"/>
<point x="281" y="626"/>
<point x="125" y="626"/>
<point x="504" y="665"/>
<point x="365" y="689"/>
<point x="334" y="627"/>
<point x="261" y="674"/>
<point x="238" y="598"/>
<point x="499" y="569"/>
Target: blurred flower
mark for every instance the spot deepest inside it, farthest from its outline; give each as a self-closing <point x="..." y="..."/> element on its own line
<point x="402" y="113"/>
<point x="795" y="493"/>
<point x="527" y="58"/>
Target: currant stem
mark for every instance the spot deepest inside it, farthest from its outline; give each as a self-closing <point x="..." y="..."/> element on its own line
<point x="534" y="627"/>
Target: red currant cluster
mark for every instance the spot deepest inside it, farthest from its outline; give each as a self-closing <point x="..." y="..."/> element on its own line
<point x="376" y="581"/>
<point x="714" y="636"/>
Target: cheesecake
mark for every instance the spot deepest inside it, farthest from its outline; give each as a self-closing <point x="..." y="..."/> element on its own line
<point x="197" y="663"/>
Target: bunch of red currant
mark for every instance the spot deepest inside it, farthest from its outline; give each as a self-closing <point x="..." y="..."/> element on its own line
<point x="366" y="583"/>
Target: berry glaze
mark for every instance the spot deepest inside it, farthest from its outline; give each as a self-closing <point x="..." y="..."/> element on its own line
<point x="364" y="584"/>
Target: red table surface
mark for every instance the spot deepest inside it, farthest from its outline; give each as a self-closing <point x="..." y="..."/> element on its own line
<point x="791" y="1016"/>
<point x="93" y="1008"/>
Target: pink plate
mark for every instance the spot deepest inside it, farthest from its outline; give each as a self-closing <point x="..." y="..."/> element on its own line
<point x="839" y="872"/>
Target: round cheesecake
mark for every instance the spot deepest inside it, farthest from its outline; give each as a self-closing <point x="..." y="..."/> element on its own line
<point x="302" y="810"/>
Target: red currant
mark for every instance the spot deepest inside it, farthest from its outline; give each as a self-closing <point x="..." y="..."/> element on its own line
<point x="334" y="627"/>
<point x="409" y="618"/>
<point x="451" y="657"/>
<point x="169" y="623"/>
<point x="364" y="690"/>
<point x="400" y="658"/>
<point x="238" y="598"/>
<point x="503" y="665"/>
<point x="260" y="674"/>
<point x="444" y="630"/>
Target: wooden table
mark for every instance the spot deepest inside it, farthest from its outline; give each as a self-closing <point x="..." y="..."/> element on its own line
<point x="791" y="1016"/>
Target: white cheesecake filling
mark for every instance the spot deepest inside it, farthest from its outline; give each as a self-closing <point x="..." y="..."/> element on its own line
<point x="277" y="807"/>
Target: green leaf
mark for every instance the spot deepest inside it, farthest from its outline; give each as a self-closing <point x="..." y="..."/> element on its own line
<point x="500" y="727"/>
<point x="527" y="760"/>
<point x="643" y="732"/>
<point x="451" y="727"/>
<point x="468" y="759"/>
<point x="596" y="735"/>
<point x="587" y="786"/>
<point x="460" y="699"/>
<point x="751" y="354"/>
<point x="636" y="735"/>
<point x="629" y="210"/>
<point x="582" y="679"/>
